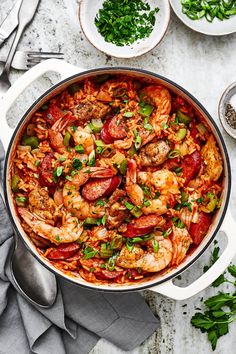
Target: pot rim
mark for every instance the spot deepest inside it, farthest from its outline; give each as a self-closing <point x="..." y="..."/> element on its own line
<point x="133" y="287"/>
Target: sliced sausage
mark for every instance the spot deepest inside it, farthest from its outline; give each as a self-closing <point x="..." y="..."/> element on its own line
<point x="191" y="166"/>
<point x="142" y="226"/>
<point x="53" y="113"/>
<point x="105" y="135"/>
<point x="63" y="251"/>
<point x="108" y="275"/>
<point x="46" y="170"/>
<point x="100" y="187"/>
<point x="117" y="128"/>
<point x="199" y="229"/>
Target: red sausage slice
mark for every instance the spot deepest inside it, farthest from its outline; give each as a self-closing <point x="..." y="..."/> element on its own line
<point x="53" y="113"/>
<point x="191" y="166"/>
<point x="105" y="135"/>
<point x="100" y="187"/>
<point x="142" y="226"/>
<point x="198" y="230"/>
<point x="117" y="128"/>
<point x="63" y="251"/>
<point x="108" y="275"/>
<point x="45" y="171"/>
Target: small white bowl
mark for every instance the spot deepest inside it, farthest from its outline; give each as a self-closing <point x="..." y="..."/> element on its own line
<point x="215" y="28"/>
<point x="225" y="98"/>
<point x="88" y="11"/>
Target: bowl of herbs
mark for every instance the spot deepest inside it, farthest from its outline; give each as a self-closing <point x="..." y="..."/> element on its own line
<point x="124" y="28"/>
<point x="210" y="17"/>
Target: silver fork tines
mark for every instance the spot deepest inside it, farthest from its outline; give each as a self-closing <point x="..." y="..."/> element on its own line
<point x="24" y="60"/>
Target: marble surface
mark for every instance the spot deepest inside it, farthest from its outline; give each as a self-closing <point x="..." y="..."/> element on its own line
<point x="203" y="65"/>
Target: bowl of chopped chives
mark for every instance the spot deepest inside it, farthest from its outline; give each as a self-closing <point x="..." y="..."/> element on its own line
<point x="124" y="28"/>
<point x="214" y="18"/>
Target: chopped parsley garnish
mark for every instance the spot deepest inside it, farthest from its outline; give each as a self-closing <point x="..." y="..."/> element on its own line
<point x="123" y="22"/>
<point x="57" y="238"/>
<point x="157" y="195"/>
<point x="200" y="200"/>
<point x="99" y="202"/>
<point x="77" y="164"/>
<point x="178" y="223"/>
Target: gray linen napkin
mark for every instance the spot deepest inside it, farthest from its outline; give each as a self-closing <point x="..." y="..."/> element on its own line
<point x="75" y="322"/>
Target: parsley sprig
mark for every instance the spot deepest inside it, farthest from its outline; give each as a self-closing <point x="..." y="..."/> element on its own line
<point x="122" y="22"/>
<point x="220" y="309"/>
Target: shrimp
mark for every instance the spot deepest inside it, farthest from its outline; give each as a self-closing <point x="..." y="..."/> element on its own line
<point x="72" y="199"/>
<point x="212" y="159"/>
<point x="55" y="135"/>
<point x="81" y="137"/>
<point x="149" y="261"/>
<point x="158" y="96"/>
<point x="164" y="181"/>
<point x="41" y="204"/>
<point x="181" y="240"/>
<point x="70" y="230"/>
<point x="153" y="206"/>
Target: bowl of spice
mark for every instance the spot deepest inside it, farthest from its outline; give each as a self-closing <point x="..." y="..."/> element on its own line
<point x="124" y="28"/>
<point x="227" y="110"/>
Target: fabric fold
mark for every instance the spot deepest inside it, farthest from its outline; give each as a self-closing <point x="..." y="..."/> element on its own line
<point x="76" y="321"/>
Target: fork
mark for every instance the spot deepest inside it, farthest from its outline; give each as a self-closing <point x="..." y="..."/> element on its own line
<point x="24" y="60"/>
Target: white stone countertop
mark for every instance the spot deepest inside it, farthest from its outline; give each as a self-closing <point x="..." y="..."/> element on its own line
<point x="204" y="66"/>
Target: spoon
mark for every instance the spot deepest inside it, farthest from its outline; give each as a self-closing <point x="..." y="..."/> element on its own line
<point x="37" y="284"/>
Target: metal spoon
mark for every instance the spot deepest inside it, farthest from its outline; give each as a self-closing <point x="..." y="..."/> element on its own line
<point x="37" y="284"/>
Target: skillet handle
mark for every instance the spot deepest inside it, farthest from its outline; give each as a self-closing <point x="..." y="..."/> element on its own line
<point x="183" y="293"/>
<point x="59" y="66"/>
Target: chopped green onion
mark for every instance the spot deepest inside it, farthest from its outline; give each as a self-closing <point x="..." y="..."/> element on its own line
<point x="99" y="202"/>
<point x="37" y="163"/>
<point x="59" y="171"/>
<point x="44" y="107"/>
<point x="136" y="212"/>
<point x="14" y="182"/>
<point x="181" y="133"/>
<point x="165" y="126"/>
<point x="157" y="195"/>
<point x="128" y="205"/>
<point x="123" y="166"/>
<point x="79" y="148"/>
<point x="62" y="159"/>
<point x="173" y="154"/>
<point x="155" y="246"/>
<point x="89" y="252"/>
<point x="128" y="114"/>
<point x="66" y="139"/>
<point x="145" y="110"/>
<point x="57" y="238"/>
<point x="167" y="232"/>
<point x="95" y="125"/>
<point x="106" y="251"/>
<point x="132" y="151"/>
<point x="21" y="200"/>
<point x="138" y="139"/>
<point x="91" y="161"/>
<point x="30" y="141"/>
<point x="183" y="118"/>
<point x="129" y="245"/>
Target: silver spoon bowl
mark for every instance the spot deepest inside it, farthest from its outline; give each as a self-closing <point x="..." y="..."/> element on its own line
<point x="37" y="284"/>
